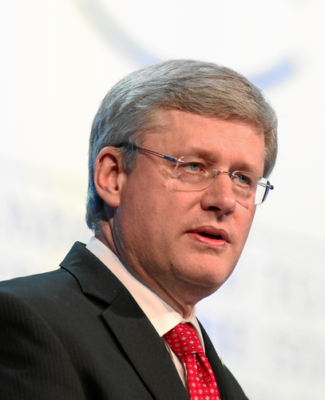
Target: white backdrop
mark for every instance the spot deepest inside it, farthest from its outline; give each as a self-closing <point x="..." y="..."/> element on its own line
<point x="59" y="58"/>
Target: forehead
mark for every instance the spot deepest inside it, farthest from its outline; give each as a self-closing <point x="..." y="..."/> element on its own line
<point x="180" y="133"/>
<point x="174" y="122"/>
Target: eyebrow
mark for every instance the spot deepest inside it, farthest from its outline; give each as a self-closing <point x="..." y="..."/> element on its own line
<point x="202" y="153"/>
<point x="213" y="157"/>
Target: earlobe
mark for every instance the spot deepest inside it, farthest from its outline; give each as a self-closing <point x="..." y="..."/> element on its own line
<point x="109" y="175"/>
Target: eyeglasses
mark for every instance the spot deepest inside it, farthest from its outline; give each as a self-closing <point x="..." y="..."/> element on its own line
<point x="195" y="174"/>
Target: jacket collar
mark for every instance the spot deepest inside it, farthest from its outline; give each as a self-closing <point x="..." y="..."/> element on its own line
<point x="130" y="326"/>
<point x="94" y="278"/>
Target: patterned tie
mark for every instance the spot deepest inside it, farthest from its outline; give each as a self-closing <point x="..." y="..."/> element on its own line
<point x="186" y="344"/>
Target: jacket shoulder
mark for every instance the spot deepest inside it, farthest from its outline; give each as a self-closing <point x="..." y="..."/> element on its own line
<point x="40" y="286"/>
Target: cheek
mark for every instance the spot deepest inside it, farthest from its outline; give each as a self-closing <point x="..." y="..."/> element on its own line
<point x="143" y="215"/>
<point x="151" y="210"/>
<point x="246" y="223"/>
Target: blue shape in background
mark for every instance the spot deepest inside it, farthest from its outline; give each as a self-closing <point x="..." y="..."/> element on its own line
<point x="105" y="24"/>
<point x="281" y="72"/>
<point x="114" y="34"/>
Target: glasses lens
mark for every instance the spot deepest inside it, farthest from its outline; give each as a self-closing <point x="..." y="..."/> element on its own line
<point x="262" y="190"/>
<point x="244" y="186"/>
<point x="192" y="173"/>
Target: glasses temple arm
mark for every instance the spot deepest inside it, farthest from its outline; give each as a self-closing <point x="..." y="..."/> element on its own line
<point x="160" y="155"/>
<point x="266" y="185"/>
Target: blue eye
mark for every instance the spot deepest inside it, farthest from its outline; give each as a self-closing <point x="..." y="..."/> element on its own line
<point x="192" y="167"/>
<point x="242" y="179"/>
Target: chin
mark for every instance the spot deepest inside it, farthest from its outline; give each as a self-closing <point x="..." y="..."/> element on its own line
<point x="206" y="279"/>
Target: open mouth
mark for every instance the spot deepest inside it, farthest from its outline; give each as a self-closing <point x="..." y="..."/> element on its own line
<point x="210" y="236"/>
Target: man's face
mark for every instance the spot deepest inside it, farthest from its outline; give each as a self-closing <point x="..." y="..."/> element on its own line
<point x="170" y="238"/>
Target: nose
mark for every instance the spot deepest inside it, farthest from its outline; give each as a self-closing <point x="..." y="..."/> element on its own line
<point x="219" y="195"/>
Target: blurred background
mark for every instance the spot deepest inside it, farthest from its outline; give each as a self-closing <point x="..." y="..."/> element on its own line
<point x="59" y="58"/>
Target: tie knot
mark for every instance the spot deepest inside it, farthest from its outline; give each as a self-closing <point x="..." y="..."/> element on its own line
<point x="183" y="340"/>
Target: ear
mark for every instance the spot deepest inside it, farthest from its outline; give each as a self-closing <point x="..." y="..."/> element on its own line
<point x="109" y="176"/>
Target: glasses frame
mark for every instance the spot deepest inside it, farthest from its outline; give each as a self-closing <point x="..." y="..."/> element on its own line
<point x="175" y="160"/>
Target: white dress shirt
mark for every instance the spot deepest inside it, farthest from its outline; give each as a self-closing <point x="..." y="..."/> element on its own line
<point x="162" y="316"/>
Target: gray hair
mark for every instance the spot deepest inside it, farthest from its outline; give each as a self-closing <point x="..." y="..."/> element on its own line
<point x="193" y="86"/>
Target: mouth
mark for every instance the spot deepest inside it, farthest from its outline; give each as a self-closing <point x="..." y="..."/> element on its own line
<point x="211" y="236"/>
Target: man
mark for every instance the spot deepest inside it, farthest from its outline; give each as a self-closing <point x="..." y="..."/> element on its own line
<point x="177" y="152"/>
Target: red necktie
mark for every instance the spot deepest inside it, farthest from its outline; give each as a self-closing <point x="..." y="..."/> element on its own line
<point x="186" y="344"/>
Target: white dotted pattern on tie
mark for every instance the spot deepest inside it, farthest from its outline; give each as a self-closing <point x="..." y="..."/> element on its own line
<point x="186" y="344"/>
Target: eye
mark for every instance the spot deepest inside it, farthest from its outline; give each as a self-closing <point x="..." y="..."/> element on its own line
<point x="193" y="167"/>
<point x="242" y="179"/>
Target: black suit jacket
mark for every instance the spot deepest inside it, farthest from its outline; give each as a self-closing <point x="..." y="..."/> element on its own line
<point x="77" y="333"/>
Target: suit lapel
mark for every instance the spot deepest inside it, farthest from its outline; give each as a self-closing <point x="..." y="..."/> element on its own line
<point x="144" y="347"/>
<point x="131" y="328"/>
<point x="216" y="365"/>
<point x="228" y="386"/>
